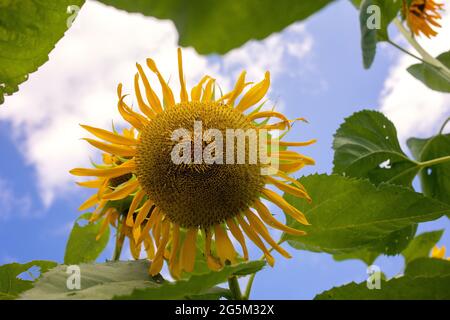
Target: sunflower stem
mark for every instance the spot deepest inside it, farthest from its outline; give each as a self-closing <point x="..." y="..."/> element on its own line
<point x="427" y="58"/>
<point x="120" y="237"/>
<point x="235" y="289"/>
<point x="248" y="289"/>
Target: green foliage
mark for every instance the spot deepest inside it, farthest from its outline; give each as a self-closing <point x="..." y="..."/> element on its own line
<point x="424" y="279"/>
<point x="11" y="285"/>
<point x="349" y="214"/>
<point x="432" y="76"/>
<point x="219" y="26"/>
<point x="371" y="10"/>
<point x="130" y="280"/>
<point x="29" y="30"/>
<point x="421" y="245"/>
<point x="366" y="146"/>
<point x="435" y="179"/>
<point x="82" y="245"/>
<point x="195" y="284"/>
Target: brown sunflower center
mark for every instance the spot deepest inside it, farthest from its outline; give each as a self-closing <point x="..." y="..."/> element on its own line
<point x="198" y="193"/>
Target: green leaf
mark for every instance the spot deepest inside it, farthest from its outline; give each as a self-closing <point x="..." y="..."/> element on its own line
<point x="424" y="279"/>
<point x="431" y="76"/>
<point x="98" y="281"/>
<point x="214" y="293"/>
<point x="421" y="245"/>
<point x="195" y="284"/>
<point x="372" y="31"/>
<point x="428" y="267"/>
<point x="366" y="255"/>
<point x="390" y="245"/>
<point x="349" y="214"/>
<point x="82" y="245"/>
<point x="366" y="146"/>
<point x="130" y="280"/>
<point x="11" y="285"/>
<point x="219" y="26"/>
<point x="29" y="30"/>
<point x="435" y="180"/>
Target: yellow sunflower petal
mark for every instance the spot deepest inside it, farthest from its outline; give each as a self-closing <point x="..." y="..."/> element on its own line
<point x="110" y="136"/>
<point x="212" y="262"/>
<point x="267" y="114"/>
<point x="260" y="228"/>
<point x="238" y="88"/>
<point x="167" y="92"/>
<point x="149" y="247"/>
<point x="188" y="250"/>
<point x="91" y="184"/>
<point x="297" y="144"/>
<point x="207" y="95"/>
<point x="237" y="234"/>
<point x="111" y="148"/>
<point x="267" y="217"/>
<point x="196" y="91"/>
<point x="224" y="247"/>
<point x="103" y="228"/>
<point x="289" y="189"/>
<point x="255" y="94"/>
<point x="437" y="252"/>
<point x="151" y="95"/>
<point x="90" y="202"/>
<point x="256" y="240"/>
<point x="155" y="217"/>
<point x="142" y="105"/>
<point x="158" y="261"/>
<point x="137" y="199"/>
<point x="183" y="94"/>
<point x="283" y="204"/>
<point x="125" y="168"/>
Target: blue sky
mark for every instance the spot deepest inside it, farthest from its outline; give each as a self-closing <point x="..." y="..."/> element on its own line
<point x="317" y="74"/>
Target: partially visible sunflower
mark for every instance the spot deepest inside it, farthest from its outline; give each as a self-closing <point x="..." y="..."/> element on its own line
<point x="178" y="202"/>
<point x="114" y="209"/>
<point x="421" y="15"/>
<point x="439" y="253"/>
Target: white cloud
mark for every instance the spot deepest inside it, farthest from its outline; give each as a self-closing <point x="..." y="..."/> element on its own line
<point x="78" y="84"/>
<point x="13" y="204"/>
<point x="415" y="109"/>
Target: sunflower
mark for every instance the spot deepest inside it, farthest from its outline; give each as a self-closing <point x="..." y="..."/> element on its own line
<point x="439" y="253"/>
<point x="179" y="203"/>
<point x="421" y="15"/>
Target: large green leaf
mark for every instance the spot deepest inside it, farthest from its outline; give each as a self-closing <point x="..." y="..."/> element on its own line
<point x="349" y="214"/>
<point x="433" y="77"/>
<point x="195" y="284"/>
<point x="424" y="279"/>
<point x="130" y="279"/>
<point x="82" y="245"/>
<point x="11" y="285"/>
<point x="29" y="30"/>
<point x="219" y="26"/>
<point x="372" y="31"/>
<point x="98" y="281"/>
<point x="421" y="245"/>
<point x="366" y="146"/>
<point x="435" y="179"/>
